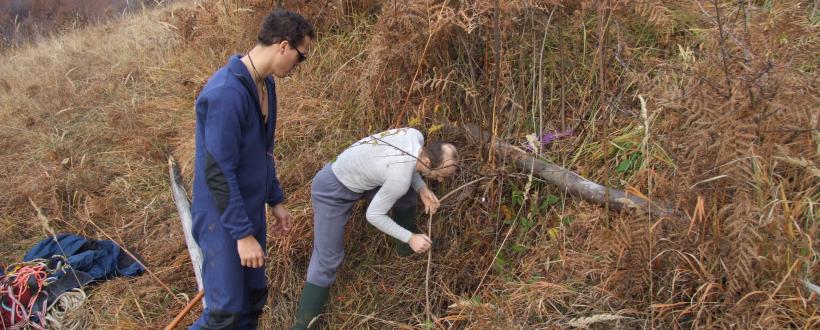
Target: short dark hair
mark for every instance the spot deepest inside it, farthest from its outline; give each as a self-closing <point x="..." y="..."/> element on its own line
<point x="435" y="151"/>
<point x="282" y="25"/>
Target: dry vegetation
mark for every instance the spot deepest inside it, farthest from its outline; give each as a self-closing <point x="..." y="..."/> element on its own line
<point x="709" y="104"/>
<point x="24" y="20"/>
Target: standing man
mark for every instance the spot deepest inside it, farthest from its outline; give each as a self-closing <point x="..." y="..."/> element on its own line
<point x="382" y="167"/>
<point x="235" y="175"/>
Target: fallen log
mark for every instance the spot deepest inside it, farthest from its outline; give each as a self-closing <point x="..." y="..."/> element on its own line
<point x="572" y="182"/>
<point x="184" y="210"/>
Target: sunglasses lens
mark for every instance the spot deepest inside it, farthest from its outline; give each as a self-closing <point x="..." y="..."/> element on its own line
<point x="302" y="57"/>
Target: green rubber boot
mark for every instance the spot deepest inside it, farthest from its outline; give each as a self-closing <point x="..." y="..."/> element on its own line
<point x="310" y="305"/>
<point x="406" y="218"/>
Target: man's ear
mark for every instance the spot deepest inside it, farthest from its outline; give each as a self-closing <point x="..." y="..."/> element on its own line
<point x="425" y="160"/>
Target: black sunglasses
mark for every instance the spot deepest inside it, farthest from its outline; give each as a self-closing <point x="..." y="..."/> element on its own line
<point x="302" y="57"/>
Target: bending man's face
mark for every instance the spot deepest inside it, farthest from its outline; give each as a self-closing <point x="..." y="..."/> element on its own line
<point x="448" y="166"/>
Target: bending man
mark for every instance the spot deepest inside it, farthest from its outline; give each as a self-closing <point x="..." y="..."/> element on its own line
<point x="382" y="167"/>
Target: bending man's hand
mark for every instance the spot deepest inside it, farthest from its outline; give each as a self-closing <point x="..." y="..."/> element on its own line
<point x="420" y="243"/>
<point x="429" y="199"/>
<point x="250" y="252"/>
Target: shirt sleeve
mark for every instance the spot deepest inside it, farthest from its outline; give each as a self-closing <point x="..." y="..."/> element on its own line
<point x="417" y="183"/>
<point x="382" y="202"/>
<point x="276" y="194"/>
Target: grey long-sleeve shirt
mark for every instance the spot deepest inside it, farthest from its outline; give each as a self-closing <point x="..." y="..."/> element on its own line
<point x="387" y="160"/>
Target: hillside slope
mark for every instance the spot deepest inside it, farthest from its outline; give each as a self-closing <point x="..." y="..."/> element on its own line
<point x="710" y="108"/>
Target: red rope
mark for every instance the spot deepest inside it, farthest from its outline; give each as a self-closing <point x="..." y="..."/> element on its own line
<point x="15" y="286"/>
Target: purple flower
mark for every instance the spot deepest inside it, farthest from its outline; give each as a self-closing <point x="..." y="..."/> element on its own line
<point x="552" y="136"/>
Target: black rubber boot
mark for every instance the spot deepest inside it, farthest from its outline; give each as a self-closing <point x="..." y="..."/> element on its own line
<point x="406" y="218"/>
<point x="310" y="305"/>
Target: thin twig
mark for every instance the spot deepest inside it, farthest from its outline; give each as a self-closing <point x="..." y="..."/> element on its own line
<point x="332" y="77"/>
<point x="148" y="270"/>
<point x="418" y="69"/>
<point x="497" y="59"/>
<point x="723" y="55"/>
<point x="430" y="251"/>
<point x="458" y="166"/>
<point x="792" y="130"/>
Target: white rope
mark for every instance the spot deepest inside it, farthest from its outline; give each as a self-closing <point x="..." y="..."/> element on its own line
<point x="62" y="314"/>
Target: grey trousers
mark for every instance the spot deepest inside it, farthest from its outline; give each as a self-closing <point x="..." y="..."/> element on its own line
<point x="332" y="205"/>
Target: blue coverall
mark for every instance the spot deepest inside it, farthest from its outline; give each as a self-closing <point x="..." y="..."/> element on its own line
<point x="234" y="176"/>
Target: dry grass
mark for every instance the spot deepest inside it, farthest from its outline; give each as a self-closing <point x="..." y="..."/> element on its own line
<point x="727" y="133"/>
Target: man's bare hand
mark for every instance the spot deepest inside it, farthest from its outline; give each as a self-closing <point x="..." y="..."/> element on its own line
<point x="250" y="252"/>
<point x="429" y="199"/>
<point x="282" y="219"/>
<point x="420" y="243"/>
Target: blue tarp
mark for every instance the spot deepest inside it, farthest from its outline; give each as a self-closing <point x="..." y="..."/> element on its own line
<point x="100" y="259"/>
